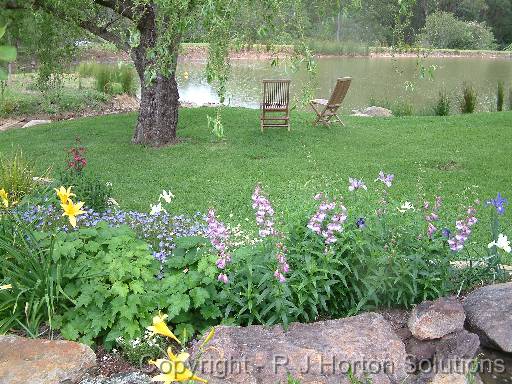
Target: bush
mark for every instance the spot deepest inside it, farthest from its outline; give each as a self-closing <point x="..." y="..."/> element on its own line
<point x="87" y="187"/>
<point x="118" y="286"/>
<point x="444" y="30"/>
<point x="443" y="105"/>
<point x="469" y="99"/>
<point x="17" y="176"/>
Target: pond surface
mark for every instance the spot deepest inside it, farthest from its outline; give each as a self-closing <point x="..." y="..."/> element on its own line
<point x="381" y="79"/>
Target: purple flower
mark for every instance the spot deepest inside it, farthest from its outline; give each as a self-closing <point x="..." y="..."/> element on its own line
<point x="360" y="223"/>
<point x="264" y="213"/>
<point x="355" y="184"/>
<point x="218" y="235"/>
<point x="223" y="278"/>
<point x="457" y="241"/>
<point x="386" y="179"/>
<point x="446" y="232"/>
<point x="431" y="230"/>
<point x="499" y="203"/>
<point x="282" y="264"/>
<point x="317" y="222"/>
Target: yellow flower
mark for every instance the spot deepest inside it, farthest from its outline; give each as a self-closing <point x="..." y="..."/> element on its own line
<point x="72" y="211"/>
<point x="208" y="338"/>
<point x="7" y="286"/>
<point x="64" y="194"/>
<point x="4" y="197"/>
<point x="159" y="326"/>
<point x="174" y="370"/>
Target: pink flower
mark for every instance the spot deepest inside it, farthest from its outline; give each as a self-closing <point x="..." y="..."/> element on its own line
<point x="223" y="278"/>
<point x="264" y="213"/>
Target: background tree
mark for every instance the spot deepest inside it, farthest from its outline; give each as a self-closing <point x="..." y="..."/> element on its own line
<point x="151" y="30"/>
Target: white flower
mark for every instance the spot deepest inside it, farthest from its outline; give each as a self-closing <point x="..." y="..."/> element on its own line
<point x="501" y="243"/>
<point x="108" y="184"/>
<point x="167" y="196"/>
<point x="407" y="206"/>
<point x="112" y="202"/>
<point x="156" y="209"/>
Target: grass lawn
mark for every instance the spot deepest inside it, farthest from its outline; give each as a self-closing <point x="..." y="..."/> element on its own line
<point x="457" y="157"/>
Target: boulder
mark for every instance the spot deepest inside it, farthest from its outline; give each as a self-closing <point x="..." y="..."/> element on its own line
<point x="372" y="112"/>
<point x="31" y="123"/>
<point x="313" y="353"/>
<point x="39" y="361"/>
<point x="435" y="319"/>
<point x="489" y="315"/>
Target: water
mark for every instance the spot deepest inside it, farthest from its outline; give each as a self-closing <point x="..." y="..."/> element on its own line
<point x="496" y="376"/>
<point x="384" y="79"/>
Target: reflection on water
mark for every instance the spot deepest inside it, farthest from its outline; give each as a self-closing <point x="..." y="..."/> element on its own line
<point x="374" y="78"/>
<point x="497" y="377"/>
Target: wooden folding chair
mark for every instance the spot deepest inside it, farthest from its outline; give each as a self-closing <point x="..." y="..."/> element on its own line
<point x="275" y="110"/>
<point x="327" y="109"/>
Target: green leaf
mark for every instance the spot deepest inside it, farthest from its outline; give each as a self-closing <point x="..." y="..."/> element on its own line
<point x="199" y="296"/>
<point x="2" y="30"/>
<point x="3" y="75"/>
<point x="7" y="53"/>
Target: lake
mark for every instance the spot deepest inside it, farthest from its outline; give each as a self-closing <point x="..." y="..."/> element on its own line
<point x="377" y="78"/>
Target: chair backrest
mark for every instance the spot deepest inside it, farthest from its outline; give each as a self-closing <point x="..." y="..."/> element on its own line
<point x="339" y="92"/>
<point x="276" y="93"/>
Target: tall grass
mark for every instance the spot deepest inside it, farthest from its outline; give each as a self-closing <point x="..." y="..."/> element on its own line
<point x="398" y="107"/>
<point x="342" y="48"/>
<point x="510" y="99"/>
<point x="17" y="176"/>
<point x="443" y="105"/>
<point x="500" y="96"/>
<point x="36" y="273"/>
<point x="112" y="79"/>
<point x="469" y="99"/>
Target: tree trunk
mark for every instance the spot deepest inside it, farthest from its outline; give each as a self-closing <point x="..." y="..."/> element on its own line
<point x="158" y="116"/>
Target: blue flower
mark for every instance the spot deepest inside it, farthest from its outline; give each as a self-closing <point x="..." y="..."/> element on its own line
<point x="499" y="203"/>
<point x="446" y="233"/>
<point x="360" y="223"/>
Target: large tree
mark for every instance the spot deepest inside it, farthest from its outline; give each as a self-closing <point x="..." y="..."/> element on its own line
<point x="152" y="30"/>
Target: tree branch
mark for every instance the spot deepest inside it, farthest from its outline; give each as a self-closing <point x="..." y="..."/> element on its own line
<point x="124" y="8"/>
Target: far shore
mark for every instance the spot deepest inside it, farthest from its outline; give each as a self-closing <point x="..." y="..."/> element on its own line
<point x="199" y="52"/>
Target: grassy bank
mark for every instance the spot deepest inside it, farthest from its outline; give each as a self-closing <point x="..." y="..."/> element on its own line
<point x="458" y="157"/>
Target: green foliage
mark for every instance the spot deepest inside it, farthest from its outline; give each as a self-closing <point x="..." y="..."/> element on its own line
<point x="88" y="187"/>
<point x="254" y="296"/>
<point x="17" y="175"/>
<point x="113" y="285"/>
<point x="469" y="99"/>
<point x="7" y="54"/>
<point x="500" y="96"/>
<point x="33" y="264"/>
<point x="444" y="30"/>
<point x="510" y="99"/>
<point x="139" y="350"/>
<point x="111" y="79"/>
<point x="399" y="107"/>
<point x="118" y="286"/>
<point x="443" y="105"/>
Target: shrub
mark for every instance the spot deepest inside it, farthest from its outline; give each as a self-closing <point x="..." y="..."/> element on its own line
<point x="500" y="96"/>
<point x="444" y="30"/>
<point x="443" y="105"/>
<point x="17" y="176"/>
<point x="469" y="99"/>
<point x="118" y="286"/>
<point x="510" y="99"/>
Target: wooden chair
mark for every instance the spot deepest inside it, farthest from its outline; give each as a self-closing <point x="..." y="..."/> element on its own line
<point x="326" y="109"/>
<point x="275" y="110"/>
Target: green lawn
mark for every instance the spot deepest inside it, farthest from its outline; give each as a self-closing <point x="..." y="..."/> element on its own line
<point x="455" y="157"/>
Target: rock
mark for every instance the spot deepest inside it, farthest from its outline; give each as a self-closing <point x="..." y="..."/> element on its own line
<point x="31" y="123"/>
<point x="372" y="112"/>
<point x="39" y="361"/>
<point x="435" y="319"/>
<point x="458" y="345"/>
<point x="489" y="315"/>
<point x="256" y="354"/>
<point x="121" y="378"/>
